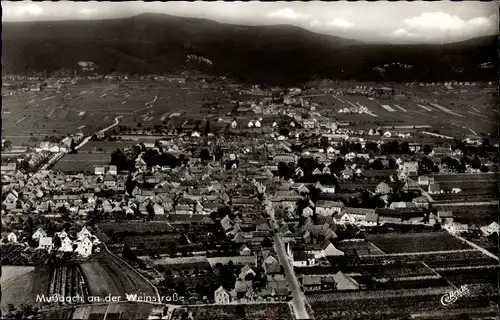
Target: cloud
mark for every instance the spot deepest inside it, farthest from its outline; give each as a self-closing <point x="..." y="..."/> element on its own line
<point x="403" y="34"/>
<point x="443" y="22"/>
<point x="315" y="24"/>
<point x="286" y="14"/>
<point x="29" y="10"/>
<point x="87" y="11"/>
<point x="339" y="23"/>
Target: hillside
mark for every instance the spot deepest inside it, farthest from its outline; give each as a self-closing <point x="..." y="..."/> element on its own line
<point x="151" y="43"/>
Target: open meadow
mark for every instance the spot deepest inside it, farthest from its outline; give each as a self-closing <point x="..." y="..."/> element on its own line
<point x="20" y="285"/>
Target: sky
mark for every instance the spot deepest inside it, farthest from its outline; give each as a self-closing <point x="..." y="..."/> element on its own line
<point x="396" y="22"/>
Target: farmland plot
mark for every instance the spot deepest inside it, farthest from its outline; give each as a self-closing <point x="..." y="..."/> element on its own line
<point x="109" y="275"/>
<point x="278" y="311"/>
<point x="68" y="281"/>
<point x="416" y="242"/>
<point x="20" y="285"/>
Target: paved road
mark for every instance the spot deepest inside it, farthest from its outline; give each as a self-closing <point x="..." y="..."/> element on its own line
<point x="298" y="302"/>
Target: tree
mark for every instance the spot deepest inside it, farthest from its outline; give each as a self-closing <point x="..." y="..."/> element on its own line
<point x="119" y="159"/>
<point x="372" y="146"/>
<point x="7" y="145"/>
<point x="284" y="132"/>
<point x="377" y="165"/>
<point x="427" y="149"/>
<point x="208" y="128"/>
<point x="485" y="168"/>
<point x="130" y="184"/>
<point x="205" y="155"/>
<point x="151" y="211"/>
<point x="73" y="146"/>
<point x="139" y="125"/>
<point x="405" y="147"/>
<point x="337" y="165"/>
<point x="475" y="163"/>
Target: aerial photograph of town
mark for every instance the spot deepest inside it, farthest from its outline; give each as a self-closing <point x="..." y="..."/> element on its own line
<point x="249" y="160"/>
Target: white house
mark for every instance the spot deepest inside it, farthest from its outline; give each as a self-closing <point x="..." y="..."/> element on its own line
<point x="344" y="218"/>
<point x="250" y="124"/>
<point x="387" y="134"/>
<point x="455" y="227"/>
<point x="257" y="124"/>
<point x="159" y="210"/>
<point x="66" y="245"/>
<point x="490" y="229"/>
<point x="39" y="234"/>
<point x="303" y="259"/>
<point x="12" y="237"/>
<point x="61" y="234"/>
<point x="84" y="233"/>
<point x="45" y="243"/>
<point x="195" y="134"/>
<point x="222" y="296"/>
<point x="307" y="212"/>
<point x="84" y="248"/>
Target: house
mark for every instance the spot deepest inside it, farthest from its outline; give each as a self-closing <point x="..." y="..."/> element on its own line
<point x="245" y="271"/>
<point x="347" y="174"/>
<point x="423" y="180"/>
<point x="39" y="234"/>
<point x="12" y="237"/>
<point x="311" y="283"/>
<point x="327" y="208"/>
<point x="409" y="169"/>
<point x="359" y="214"/>
<point x="344" y="282"/>
<point x="66" y="245"/>
<point x="344" y="218"/>
<point x="445" y="216"/>
<point x="61" y="235"/>
<point x="490" y="229"/>
<point x="84" y="233"/>
<point x="303" y="259"/>
<point x="110" y="181"/>
<point x="328" y="189"/>
<point x="158" y="209"/>
<point x="222" y="296"/>
<point x="329" y="250"/>
<point x="245" y="251"/>
<point x="99" y="170"/>
<point x="382" y="189"/>
<point x="307" y="212"/>
<point x="455" y="227"/>
<point x="434" y="188"/>
<point x="414" y="146"/>
<point x="84" y="248"/>
<point x="45" y="243"/>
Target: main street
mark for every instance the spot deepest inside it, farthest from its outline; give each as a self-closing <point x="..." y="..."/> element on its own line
<point x="298" y="301"/>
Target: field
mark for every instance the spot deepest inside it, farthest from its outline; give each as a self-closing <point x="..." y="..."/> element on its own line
<point x="480" y="215"/>
<point x="109" y="275"/>
<point x="132" y="228"/>
<point x="81" y="162"/>
<point x="416" y="242"/>
<point x="447" y="112"/>
<point x="20" y="285"/>
<point x="68" y="281"/>
<point x="362" y="247"/>
<point x="261" y="311"/>
<point x="93" y="106"/>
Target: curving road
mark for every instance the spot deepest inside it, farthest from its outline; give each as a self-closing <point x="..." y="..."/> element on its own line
<point x="298" y="301"/>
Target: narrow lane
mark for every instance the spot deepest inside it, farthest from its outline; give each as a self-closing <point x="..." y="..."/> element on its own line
<point x="298" y="301"/>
